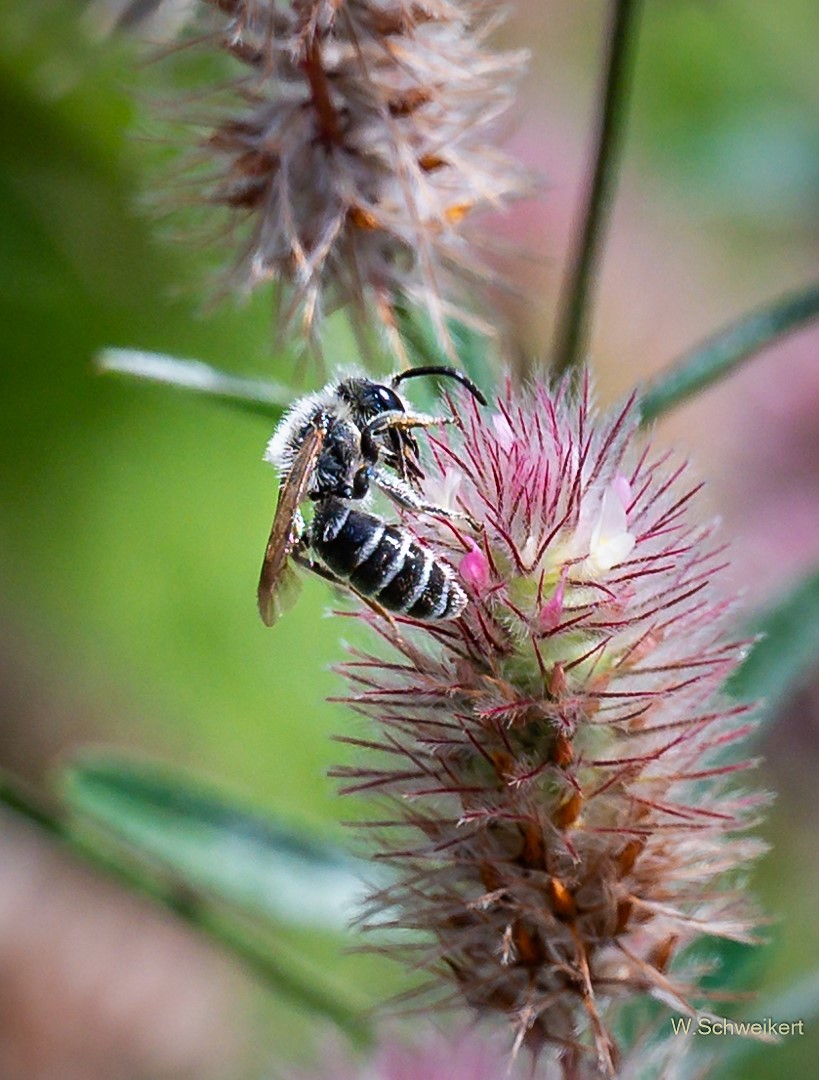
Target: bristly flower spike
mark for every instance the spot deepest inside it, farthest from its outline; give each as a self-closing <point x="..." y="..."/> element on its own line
<point x="560" y="768"/>
<point x="358" y="143"/>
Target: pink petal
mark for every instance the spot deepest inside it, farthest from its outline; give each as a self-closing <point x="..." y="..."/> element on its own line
<point x="622" y="489"/>
<point x="552" y="611"/>
<point x="474" y="568"/>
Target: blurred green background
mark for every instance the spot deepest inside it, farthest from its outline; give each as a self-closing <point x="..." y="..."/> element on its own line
<point x="133" y="520"/>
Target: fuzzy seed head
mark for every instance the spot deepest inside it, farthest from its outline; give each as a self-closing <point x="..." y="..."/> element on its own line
<point x="357" y="147"/>
<point x="559" y="766"/>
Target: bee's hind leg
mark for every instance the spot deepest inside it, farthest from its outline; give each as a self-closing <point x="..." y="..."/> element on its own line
<point x="300" y="556"/>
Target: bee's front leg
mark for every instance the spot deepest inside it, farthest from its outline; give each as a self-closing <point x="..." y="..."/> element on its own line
<point x="403" y="421"/>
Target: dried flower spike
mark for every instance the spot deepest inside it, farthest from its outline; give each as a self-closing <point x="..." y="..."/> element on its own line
<point x="562" y="812"/>
<point x="360" y="145"/>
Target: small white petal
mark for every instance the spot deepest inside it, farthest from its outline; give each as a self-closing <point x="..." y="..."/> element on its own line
<point x="611" y="542"/>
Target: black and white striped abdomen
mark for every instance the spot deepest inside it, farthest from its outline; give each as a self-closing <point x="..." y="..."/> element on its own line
<point x="385" y="563"/>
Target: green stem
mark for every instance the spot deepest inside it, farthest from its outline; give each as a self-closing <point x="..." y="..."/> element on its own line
<point x="572" y="332"/>
<point x="16" y="796"/>
<point x="725" y="350"/>
<point x="305" y="989"/>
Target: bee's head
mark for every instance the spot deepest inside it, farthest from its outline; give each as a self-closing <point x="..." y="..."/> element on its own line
<point x="367" y="398"/>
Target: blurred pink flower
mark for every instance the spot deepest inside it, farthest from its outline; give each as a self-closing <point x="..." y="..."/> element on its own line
<point x="475" y="1055"/>
<point x="464" y="1055"/>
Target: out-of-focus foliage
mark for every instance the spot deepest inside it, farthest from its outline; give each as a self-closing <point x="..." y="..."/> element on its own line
<point x="212" y="844"/>
<point x="728" y="120"/>
<point x="785" y="651"/>
<point x="257" y="396"/>
<point x="133" y="521"/>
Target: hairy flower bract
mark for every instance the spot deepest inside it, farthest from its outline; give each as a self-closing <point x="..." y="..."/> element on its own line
<point x="560" y="769"/>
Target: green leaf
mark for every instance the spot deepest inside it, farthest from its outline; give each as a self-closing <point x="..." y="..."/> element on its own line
<point x="721" y="353"/>
<point x="259" y="396"/>
<point x="786" y="650"/>
<point x="302" y="984"/>
<point x="799" y="1000"/>
<point x="247" y="860"/>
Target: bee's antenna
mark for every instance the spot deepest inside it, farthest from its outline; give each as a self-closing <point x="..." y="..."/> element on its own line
<point x="444" y="372"/>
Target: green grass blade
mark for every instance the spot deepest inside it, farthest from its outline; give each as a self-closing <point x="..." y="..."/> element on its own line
<point x="585" y="257"/>
<point x="787" y="648"/>
<point x="300" y="983"/>
<point x="259" y="396"/>
<point x="725" y="350"/>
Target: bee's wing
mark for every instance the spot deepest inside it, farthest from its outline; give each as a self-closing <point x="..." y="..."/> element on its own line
<point x="278" y="583"/>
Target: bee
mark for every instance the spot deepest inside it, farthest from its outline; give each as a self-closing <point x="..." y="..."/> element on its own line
<point x="330" y="448"/>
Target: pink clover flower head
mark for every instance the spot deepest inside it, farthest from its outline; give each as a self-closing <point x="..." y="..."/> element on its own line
<point x="503" y="431"/>
<point x="465" y="1057"/>
<point x="610" y="542"/>
<point x="475" y="1055"/>
<point x="559" y="765"/>
<point x="622" y="488"/>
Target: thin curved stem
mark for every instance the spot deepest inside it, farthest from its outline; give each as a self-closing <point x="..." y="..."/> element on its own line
<point x="574" y="307"/>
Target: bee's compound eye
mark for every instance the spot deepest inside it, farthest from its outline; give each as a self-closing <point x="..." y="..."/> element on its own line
<point x="388" y="400"/>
